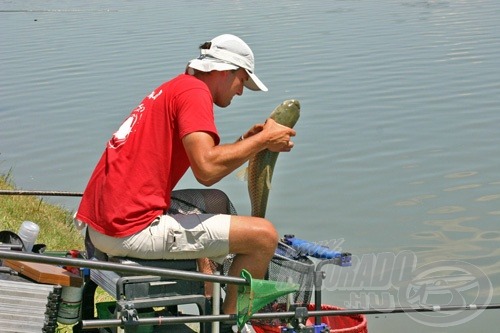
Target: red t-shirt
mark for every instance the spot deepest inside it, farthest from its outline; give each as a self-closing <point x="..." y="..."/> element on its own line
<point x="145" y="158"/>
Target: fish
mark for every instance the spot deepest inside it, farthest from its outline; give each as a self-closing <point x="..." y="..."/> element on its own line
<point x="261" y="165"/>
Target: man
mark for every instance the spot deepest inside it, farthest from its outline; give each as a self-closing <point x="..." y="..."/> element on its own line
<point x="127" y="202"/>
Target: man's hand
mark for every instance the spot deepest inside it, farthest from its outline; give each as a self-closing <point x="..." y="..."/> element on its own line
<point x="278" y="136"/>
<point x="257" y="128"/>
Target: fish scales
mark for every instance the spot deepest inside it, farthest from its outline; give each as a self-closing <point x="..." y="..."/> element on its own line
<point x="261" y="165"/>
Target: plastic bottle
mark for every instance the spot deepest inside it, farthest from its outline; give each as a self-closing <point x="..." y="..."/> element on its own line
<point x="28" y="233"/>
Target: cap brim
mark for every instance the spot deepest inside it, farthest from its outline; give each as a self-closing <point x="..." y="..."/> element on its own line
<point x="253" y="83"/>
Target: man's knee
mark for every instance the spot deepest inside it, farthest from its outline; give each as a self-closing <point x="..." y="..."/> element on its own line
<point x="265" y="240"/>
<point x="271" y="234"/>
<point x="253" y="234"/>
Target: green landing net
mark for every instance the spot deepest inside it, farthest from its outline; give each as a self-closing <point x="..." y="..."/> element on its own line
<point x="259" y="293"/>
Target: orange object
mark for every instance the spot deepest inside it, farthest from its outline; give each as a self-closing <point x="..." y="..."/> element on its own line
<point x="45" y="273"/>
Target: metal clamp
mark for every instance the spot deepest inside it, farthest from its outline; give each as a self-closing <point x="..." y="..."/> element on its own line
<point x="128" y="313"/>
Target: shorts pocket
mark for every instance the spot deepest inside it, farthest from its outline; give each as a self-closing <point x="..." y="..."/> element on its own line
<point x="184" y="241"/>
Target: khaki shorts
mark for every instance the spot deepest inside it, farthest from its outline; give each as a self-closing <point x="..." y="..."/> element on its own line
<point x="172" y="237"/>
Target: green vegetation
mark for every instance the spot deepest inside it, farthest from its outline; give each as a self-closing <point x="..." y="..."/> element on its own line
<point x="56" y="224"/>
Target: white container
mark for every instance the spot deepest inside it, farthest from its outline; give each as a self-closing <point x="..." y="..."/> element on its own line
<point x="28" y="233"/>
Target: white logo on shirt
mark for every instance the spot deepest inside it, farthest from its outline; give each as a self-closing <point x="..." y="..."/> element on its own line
<point x="127" y="127"/>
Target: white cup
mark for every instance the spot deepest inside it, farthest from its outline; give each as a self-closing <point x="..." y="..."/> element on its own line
<point x="28" y="233"/>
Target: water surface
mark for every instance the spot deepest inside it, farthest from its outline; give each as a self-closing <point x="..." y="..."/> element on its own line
<point x="397" y="145"/>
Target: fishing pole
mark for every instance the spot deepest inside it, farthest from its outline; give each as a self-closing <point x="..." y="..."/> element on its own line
<point x="300" y="312"/>
<point x="430" y="308"/>
<point x="41" y="193"/>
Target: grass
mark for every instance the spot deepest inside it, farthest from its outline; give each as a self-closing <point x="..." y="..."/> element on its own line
<point x="56" y="225"/>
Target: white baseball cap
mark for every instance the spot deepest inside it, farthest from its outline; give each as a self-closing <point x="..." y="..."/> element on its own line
<point x="227" y="52"/>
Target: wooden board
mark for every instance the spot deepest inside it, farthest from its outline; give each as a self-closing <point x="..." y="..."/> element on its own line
<point x="45" y="273"/>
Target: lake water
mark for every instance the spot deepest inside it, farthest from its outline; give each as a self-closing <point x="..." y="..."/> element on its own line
<point x="397" y="149"/>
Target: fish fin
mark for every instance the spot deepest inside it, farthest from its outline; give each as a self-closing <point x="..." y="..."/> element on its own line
<point x="242" y="174"/>
<point x="268" y="177"/>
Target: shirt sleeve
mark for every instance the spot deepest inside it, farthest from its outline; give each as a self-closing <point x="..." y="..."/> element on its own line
<point x="195" y="113"/>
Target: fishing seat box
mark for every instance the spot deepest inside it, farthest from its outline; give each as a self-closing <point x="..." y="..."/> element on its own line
<point x="147" y="291"/>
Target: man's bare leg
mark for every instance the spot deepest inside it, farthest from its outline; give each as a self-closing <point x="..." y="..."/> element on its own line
<point x="254" y="241"/>
<point x="204" y="266"/>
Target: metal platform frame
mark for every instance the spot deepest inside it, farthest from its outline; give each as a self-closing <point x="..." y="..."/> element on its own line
<point x="134" y="293"/>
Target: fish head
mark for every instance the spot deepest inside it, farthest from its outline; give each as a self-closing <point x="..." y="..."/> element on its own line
<point x="287" y="113"/>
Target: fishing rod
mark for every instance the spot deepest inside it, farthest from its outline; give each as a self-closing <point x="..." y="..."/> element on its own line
<point x="300" y="312"/>
<point x="430" y="308"/>
<point x="41" y="193"/>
